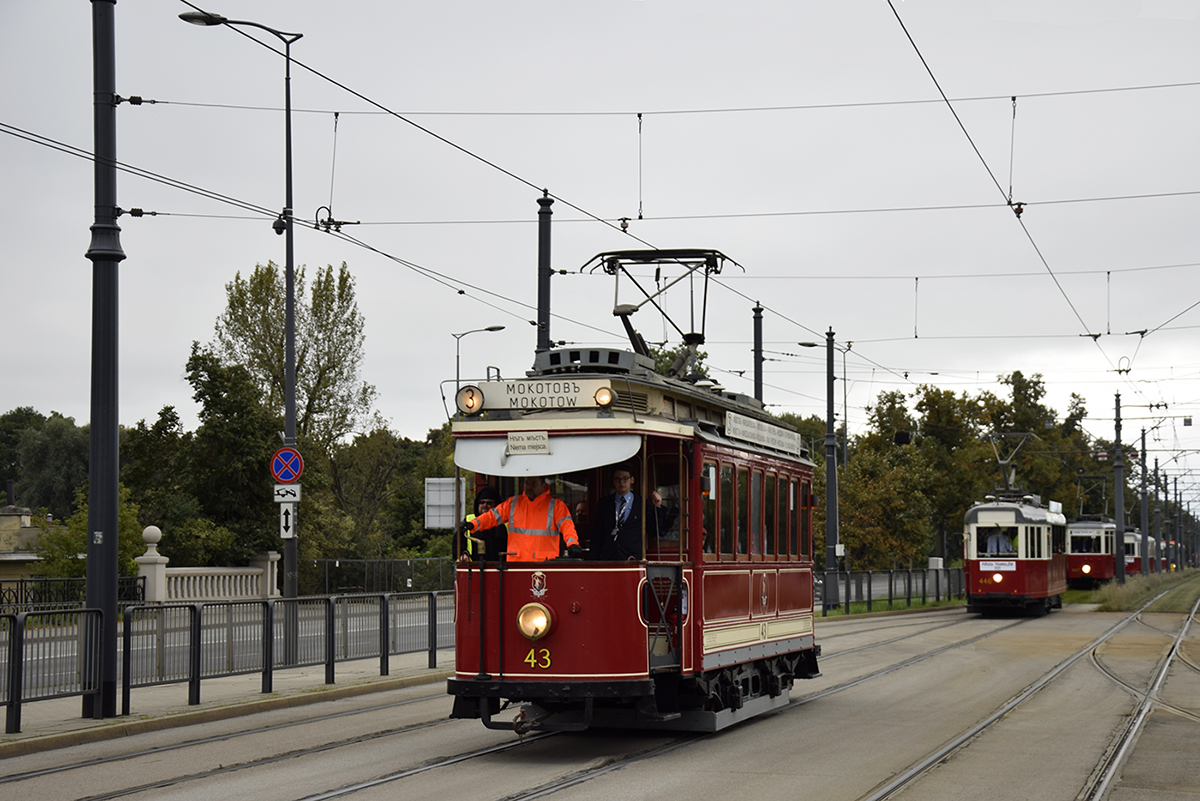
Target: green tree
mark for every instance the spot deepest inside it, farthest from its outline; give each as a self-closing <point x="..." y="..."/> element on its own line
<point x="665" y="358"/>
<point x="231" y="452"/>
<point x="12" y="425"/>
<point x="364" y="476"/>
<point x="54" y="465"/>
<point x="331" y="397"/>
<point x="884" y="511"/>
<point x="63" y="548"/>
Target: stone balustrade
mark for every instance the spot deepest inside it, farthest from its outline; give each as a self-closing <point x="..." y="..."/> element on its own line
<point x="187" y="584"/>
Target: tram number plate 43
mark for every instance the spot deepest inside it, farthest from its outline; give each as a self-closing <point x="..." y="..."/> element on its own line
<point x="538" y="658"/>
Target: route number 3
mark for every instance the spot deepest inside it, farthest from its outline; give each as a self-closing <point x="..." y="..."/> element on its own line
<point x="538" y="659"/>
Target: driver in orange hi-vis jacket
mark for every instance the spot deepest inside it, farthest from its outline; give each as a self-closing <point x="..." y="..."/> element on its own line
<point x="535" y="520"/>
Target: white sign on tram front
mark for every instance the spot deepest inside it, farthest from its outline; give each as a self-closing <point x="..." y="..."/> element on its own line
<point x="522" y="442"/>
<point x="542" y="393"/>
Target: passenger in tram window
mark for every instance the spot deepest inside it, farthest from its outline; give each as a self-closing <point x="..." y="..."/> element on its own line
<point x="494" y="538"/>
<point x="617" y="529"/>
<point x="538" y="524"/>
<point x="999" y="542"/>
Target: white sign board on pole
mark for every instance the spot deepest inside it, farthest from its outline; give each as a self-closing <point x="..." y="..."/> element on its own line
<point x="439" y="503"/>
<point x="287" y="520"/>
<point x="287" y="493"/>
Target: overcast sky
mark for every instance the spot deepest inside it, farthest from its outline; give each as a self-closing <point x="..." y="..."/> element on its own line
<point x="808" y="141"/>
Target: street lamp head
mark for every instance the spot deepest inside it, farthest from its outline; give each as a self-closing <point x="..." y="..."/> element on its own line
<point x="808" y="344"/>
<point x="202" y="18"/>
<point x="495" y="328"/>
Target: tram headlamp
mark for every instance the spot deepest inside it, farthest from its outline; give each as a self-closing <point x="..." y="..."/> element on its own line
<point x="534" y="621"/>
<point x="997" y="577"/>
<point x="1087" y="568"/>
<point x="469" y="399"/>
<point x="604" y="397"/>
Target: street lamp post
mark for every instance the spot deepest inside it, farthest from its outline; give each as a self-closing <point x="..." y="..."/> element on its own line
<point x="457" y="413"/>
<point x="830" y="597"/>
<point x="458" y="352"/>
<point x="282" y="225"/>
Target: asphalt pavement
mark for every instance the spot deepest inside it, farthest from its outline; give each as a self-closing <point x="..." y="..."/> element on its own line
<point x="59" y="722"/>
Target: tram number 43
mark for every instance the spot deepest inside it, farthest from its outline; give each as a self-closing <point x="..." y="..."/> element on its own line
<point x="538" y="658"/>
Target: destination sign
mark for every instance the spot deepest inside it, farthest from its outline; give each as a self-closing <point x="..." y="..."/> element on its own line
<point x="541" y="393"/>
<point x="1004" y="566"/>
<point x="762" y="433"/>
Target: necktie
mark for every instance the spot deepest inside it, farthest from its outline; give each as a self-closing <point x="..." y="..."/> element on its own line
<point x="622" y="510"/>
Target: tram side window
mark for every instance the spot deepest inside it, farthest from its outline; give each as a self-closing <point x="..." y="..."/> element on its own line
<point x="1033" y="542"/>
<point x="806" y="512"/>
<point x="708" y="519"/>
<point x="665" y="481"/>
<point x="769" y="517"/>
<point x="996" y="540"/>
<point x="756" y="502"/>
<point x="1058" y="539"/>
<point x="743" y="510"/>
<point x="725" y="509"/>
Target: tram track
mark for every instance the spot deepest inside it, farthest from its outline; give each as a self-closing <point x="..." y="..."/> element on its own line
<point x="617" y="763"/>
<point x="1123" y="744"/>
<point x="1114" y="755"/>
<point x="220" y="738"/>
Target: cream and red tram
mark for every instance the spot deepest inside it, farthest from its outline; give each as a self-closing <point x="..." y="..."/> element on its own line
<point x="1014" y="553"/>
<point x="1134" y="555"/>
<point x="710" y="627"/>
<point x="1091" y="547"/>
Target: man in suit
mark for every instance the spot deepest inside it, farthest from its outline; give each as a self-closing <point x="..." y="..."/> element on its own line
<point x="617" y="527"/>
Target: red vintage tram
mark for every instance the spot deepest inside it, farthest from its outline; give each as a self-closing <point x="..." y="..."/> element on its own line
<point x="712" y="626"/>
<point x="1133" y="554"/>
<point x="1014" y="550"/>
<point x="1091" y="544"/>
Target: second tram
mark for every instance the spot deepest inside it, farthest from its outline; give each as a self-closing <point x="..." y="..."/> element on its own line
<point x="1091" y="551"/>
<point x="1014" y="554"/>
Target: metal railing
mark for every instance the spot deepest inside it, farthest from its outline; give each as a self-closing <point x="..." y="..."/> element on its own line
<point x="40" y="594"/>
<point x="52" y="654"/>
<point x="48" y="654"/>
<point x="876" y="588"/>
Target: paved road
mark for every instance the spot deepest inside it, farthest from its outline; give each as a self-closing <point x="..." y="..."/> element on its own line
<point x="848" y="741"/>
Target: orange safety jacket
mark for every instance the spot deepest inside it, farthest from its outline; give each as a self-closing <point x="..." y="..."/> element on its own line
<point x="534" y="527"/>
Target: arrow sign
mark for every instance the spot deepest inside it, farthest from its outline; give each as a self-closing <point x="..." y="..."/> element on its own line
<point x="287" y="520"/>
<point x="287" y="465"/>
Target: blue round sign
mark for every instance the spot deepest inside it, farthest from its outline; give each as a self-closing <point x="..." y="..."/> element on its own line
<point x="287" y="465"/>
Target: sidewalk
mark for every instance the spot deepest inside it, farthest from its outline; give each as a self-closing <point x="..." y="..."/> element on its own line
<point x="58" y="722"/>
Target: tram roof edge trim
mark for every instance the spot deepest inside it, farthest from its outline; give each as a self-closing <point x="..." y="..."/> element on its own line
<point x="566" y="454"/>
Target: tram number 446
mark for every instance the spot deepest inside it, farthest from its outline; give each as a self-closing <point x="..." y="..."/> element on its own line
<point x="538" y="658"/>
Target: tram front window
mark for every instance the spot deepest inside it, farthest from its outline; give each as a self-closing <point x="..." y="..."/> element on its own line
<point x="996" y="540"/>
<point x="1085" y="544"/>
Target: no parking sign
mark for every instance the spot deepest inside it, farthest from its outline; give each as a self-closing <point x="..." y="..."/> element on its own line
<point x="287" y="465"/>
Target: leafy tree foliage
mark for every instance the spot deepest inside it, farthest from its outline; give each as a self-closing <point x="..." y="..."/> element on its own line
<point x="63" y="548"/>
<point x="12" y="425"/>
<point x="901" y="502"/>
<point x="331" y="398"/>
<point x="231" y="451"/>
<point x="884" y="512"/>
<point x="665" y="358"/>
<point x="157" y="467"/>
<point x="54" y="464"/>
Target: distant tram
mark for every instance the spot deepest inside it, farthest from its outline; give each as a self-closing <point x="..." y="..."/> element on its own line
<point x="1091" y="555"/>
<point x="1014" y="550"/>
<point x="711" y="622"/>
<point x="1134" y="555"/>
